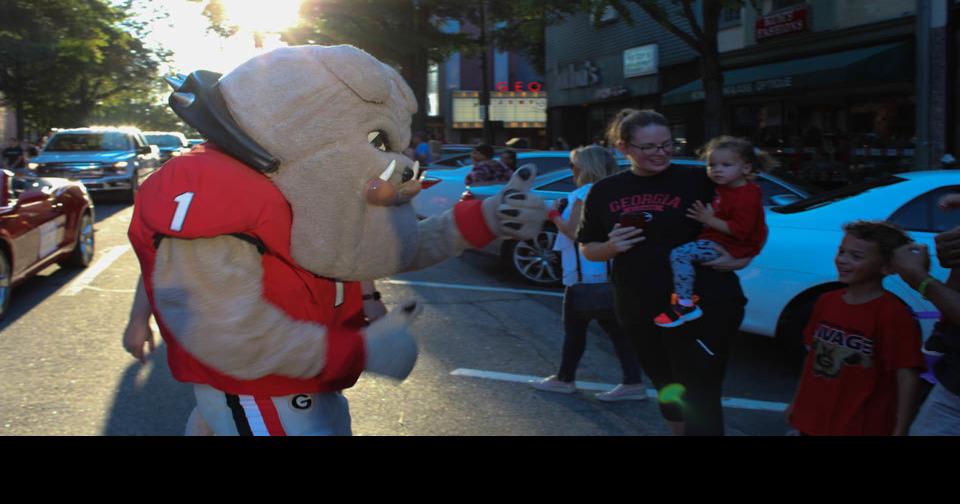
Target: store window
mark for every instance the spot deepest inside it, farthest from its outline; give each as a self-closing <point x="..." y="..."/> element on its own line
<point x="835" y="142"/>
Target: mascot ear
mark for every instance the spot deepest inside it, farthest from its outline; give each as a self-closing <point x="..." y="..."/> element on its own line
<point x="368" y="78"/>
<point x="364" y="75"/>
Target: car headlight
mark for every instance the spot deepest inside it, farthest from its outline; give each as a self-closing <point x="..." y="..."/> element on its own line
<point x="33" y="166"/>
<point x="175" y="153"/>
<point x="120" y="164"/>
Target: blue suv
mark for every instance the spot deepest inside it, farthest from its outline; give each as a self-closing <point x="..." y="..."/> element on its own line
<point x="104" y="159"/>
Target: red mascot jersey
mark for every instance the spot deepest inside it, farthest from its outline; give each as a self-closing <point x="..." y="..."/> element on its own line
<point x="207" y="193"/>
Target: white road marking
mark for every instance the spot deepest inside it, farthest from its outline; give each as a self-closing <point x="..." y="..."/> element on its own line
<point x="79" y="283"/>
<point x="729" y="402"/>
<point x="101" y="289"/>
<point x="471" y="287"/>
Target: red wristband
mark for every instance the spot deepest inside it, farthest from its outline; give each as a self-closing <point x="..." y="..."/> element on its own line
<point x="468" y="216"/>
<point x="553" y="214"/>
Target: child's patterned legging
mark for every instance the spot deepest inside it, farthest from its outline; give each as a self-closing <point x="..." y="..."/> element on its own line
<point x="682" y="260"/>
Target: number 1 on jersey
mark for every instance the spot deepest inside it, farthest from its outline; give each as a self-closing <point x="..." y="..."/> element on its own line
<point x="183" y="204"/>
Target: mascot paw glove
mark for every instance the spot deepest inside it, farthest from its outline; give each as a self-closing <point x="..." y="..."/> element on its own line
<point x="514" y="212"/>
<point x="391" y="349"/>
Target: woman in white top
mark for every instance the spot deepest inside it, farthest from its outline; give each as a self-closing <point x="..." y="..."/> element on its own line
<point x="590" y="164"/>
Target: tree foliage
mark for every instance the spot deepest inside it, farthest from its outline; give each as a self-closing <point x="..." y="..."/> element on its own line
<point x="61" y="59"/>
<point x="515" y="25"/>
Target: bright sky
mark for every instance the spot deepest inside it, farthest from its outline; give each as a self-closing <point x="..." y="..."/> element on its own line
<point x="185" y="32"/>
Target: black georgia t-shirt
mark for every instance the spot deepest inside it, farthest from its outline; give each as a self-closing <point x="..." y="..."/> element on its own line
<point x="642" y="276"/>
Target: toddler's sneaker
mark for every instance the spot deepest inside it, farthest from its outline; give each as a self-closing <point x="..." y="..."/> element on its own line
<point x="553" y="384"/>
<point x="678" y="315"/>
<point x="633" y="392"/>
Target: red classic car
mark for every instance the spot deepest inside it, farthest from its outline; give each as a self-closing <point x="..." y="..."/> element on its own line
<point x="42" y="221"/>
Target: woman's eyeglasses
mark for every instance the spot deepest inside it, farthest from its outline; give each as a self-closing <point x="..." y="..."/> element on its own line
<point x="666" y="147"/>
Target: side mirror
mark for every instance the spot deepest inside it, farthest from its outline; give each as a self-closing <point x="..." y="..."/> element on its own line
<point x="784" y="199"/>
<point x="145" y="149"/>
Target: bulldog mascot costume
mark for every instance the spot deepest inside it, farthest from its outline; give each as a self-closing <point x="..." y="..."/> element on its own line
<point x="252" y="245"/>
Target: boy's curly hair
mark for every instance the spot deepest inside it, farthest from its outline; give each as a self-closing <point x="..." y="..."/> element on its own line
<point x="886" y="236"/>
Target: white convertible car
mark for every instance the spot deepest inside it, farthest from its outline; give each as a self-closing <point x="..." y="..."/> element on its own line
<point x="797" y="263"/>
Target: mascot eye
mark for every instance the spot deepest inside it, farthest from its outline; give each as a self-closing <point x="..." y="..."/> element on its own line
<point x="378" y="139"/>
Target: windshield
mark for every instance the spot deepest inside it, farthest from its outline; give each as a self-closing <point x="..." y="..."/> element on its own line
<point x="75" y="142"/>
<point x="837" y="194"/>
<point x="164" y="140"/>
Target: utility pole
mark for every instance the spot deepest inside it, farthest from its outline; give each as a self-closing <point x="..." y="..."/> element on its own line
<point x="485" y="88"/>
<point x="931" y="83"/>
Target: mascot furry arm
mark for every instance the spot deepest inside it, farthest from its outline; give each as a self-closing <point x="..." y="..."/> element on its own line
<point x="251" y="248"/>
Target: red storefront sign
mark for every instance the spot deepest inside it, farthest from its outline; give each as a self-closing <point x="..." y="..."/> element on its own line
<point x="533" y="87"/>
<point x="784" y="22"/>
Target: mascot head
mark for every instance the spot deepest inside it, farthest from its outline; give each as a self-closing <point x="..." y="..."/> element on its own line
<point x="327" y="125"/>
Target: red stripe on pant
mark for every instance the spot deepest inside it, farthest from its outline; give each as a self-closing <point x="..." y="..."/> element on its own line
<point x="271" y="418"/>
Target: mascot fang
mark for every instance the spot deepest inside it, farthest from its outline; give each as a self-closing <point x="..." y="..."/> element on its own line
<point x="252" y="246"/>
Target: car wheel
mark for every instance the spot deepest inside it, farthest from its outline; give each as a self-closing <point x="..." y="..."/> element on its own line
<point x="535" y="261"/>
<point x="794" y="319"/>
<point x="5" y="276"/>
<point x="131" y="194"/>
<point x="83" y="250"/>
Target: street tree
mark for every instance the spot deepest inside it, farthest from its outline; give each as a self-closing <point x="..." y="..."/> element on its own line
<point x="408" y="34"/>
<point x="60" y="59"/>
<point x="148" y="111"/>
<point x="402" y="33"/>
<point x="697" y="24"/>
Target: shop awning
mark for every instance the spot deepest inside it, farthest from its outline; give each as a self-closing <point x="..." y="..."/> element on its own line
<point x="879" y="64"/>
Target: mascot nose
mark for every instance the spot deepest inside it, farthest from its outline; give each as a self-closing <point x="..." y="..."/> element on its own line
<point x="381" y="192"/>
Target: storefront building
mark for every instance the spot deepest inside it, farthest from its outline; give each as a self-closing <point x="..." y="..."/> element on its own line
<point x="518" y="98"/>
<point x="594" y="72"/>
<point x="827" y="86"/>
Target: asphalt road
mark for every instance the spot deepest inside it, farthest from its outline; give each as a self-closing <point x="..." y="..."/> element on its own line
<point x="65" y="371"/>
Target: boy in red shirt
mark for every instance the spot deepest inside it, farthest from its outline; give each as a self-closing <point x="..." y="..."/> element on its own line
<point x="734" y="222"/>
<point x="863" y="374"/>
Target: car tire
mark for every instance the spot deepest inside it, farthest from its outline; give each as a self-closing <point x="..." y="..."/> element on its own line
<point x="83" y="249"/>
<point x="534" y="260"/>
<point x="794" y="319"/>
<point x="131" y="194"/>
<point x="6" y="275"/>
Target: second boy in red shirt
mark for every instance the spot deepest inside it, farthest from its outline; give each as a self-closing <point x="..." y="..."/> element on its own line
<point x="861" y="376"/>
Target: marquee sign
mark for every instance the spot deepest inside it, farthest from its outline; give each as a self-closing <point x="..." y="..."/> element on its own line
<point x="517" y="109"/>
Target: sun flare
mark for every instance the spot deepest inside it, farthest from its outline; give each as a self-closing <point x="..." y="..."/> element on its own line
<point x="262" y="16"/>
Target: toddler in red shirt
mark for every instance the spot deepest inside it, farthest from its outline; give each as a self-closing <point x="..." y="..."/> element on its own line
<point x="733" y="222"/>
<point x="862" y="375"/>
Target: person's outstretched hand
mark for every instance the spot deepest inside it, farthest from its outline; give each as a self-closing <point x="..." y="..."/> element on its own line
<point x="911" y="262"/>
<point x="948" y="248"/>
